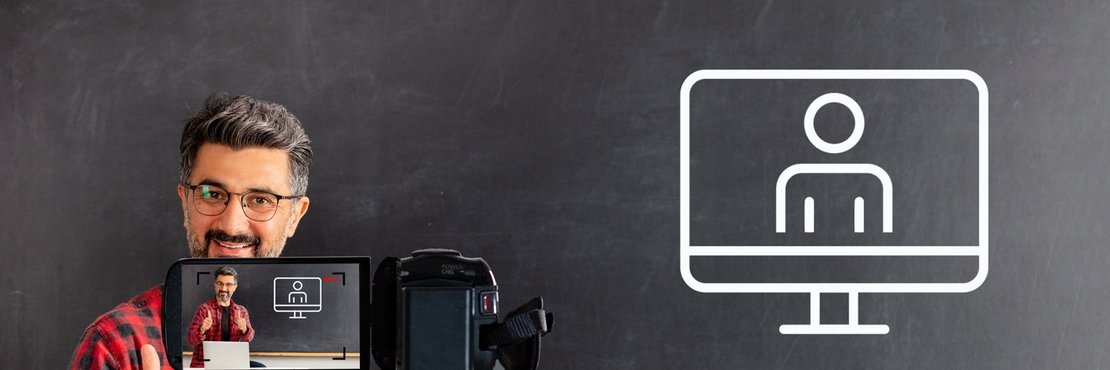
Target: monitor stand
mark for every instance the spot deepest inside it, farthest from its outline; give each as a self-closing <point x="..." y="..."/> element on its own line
<point x="816" y="328"/>
<point x="298" y="315"/>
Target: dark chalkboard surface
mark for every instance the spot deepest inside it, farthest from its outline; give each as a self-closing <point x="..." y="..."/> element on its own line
<point x="543" y="136"/>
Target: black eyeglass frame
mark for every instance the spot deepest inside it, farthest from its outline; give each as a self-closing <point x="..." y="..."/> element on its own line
<point x="242" y="200"/>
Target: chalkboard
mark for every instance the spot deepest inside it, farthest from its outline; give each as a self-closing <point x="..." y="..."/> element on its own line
<point x="544" y="137"/>
<point x="326" y="323"/>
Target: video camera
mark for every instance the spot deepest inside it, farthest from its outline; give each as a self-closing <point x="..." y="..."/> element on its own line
<point x="438" y="309"/>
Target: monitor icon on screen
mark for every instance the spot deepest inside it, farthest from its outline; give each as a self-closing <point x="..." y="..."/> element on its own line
<point x="764" y="186"/>
<point x="298" y="295"/>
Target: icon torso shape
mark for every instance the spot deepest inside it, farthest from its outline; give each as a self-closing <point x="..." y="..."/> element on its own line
<point x="833" y="168"/>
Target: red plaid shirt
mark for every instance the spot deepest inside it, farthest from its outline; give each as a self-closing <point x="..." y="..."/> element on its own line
<point x="113" y="340"/>
<point x="212" y="308"/>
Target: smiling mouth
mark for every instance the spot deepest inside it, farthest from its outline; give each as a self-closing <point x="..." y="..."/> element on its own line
<point x="230" y="245"/>
<point x="229" y="249"/>
<point x="222" y="244"/>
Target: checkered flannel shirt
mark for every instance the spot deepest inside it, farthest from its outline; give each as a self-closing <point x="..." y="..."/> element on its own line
<point x="113" y="340"/>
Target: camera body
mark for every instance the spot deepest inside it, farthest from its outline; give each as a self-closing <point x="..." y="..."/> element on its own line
<point x="429" y="309"/>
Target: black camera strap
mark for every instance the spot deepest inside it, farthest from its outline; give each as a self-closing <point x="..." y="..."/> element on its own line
<point x="516" y="328"/>
<point x="517" y="339"/>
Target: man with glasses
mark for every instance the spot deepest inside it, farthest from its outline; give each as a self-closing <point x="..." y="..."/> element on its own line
<point x="220" y="319"/>
<point x="244" y="174"/>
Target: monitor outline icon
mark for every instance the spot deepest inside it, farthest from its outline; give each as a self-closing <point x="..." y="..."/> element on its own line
<point x="687" y="250"/>
<point x="298" y="309"/>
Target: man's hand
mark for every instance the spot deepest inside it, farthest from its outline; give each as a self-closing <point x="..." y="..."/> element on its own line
<point x="207" y="324"/>
<point x="150" y="360"/>
<point x="240" y="322"/>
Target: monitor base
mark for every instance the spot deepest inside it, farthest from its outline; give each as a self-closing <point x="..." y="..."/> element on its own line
<point x="834" y="329"/>
<point x="815" y="327"/>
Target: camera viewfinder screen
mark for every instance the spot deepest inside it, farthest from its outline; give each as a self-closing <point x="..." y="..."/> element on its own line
<point x="273" y="315"/>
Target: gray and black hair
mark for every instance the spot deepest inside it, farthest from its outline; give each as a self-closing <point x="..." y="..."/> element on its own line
<point x="227" y="271"/>
<point x="244" y="122"/>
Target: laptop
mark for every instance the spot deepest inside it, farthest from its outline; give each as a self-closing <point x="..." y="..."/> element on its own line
<point x="227" y="355"/>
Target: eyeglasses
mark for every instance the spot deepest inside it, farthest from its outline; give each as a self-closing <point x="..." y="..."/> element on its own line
<point x="211" y="200"/>
<point x="225" y="285"/>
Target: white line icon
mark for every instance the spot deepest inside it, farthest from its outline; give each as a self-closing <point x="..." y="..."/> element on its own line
<point x="834" y="168"/>
<point x="978" y="250"/>
<point x="298" y="295"/>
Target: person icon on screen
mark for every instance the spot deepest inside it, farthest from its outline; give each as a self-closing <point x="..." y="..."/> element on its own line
<point x="833" y="168"/>
<point x="298" y="296"/>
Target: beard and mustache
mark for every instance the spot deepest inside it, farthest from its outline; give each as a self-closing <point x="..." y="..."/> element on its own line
<point x="223" y="298"/>
<point x="198" y="247"/>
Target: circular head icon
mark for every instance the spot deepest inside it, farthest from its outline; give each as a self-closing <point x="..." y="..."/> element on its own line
<point x="297" y="285"/>
<point x="857" y="128"/>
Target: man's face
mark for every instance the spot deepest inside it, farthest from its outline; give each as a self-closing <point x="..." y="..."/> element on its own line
<point x="225" y="287"/>
<point x="231" y="233"/>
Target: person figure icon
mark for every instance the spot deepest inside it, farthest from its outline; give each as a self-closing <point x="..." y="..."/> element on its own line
<point x="298" y="296"/>
<point x="833" y="168"/>
<point x="306" y="295"/>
